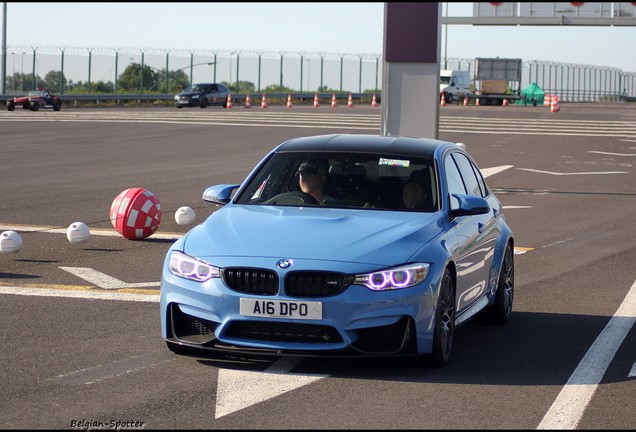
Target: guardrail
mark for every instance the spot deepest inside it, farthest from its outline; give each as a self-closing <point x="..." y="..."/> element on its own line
<point x="240" y="97"/>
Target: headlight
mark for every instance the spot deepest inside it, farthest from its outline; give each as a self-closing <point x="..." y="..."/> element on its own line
<point x="191" y="268"/>
<point x="396" y="278"/>
<point x="176" y="97"/>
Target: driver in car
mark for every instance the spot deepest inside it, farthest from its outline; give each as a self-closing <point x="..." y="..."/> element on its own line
<point x="313" y="179"/>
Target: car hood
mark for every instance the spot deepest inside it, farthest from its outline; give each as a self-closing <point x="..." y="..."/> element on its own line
<point x="361" y="236"/>
<point x="22" y="98"/>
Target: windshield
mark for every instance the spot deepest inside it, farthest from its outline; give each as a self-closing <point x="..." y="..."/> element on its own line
<point x="444" y="79"/>
<point x="344" y="180"/>
<point x="35" y="93"/>
<point x="193" y="88"/>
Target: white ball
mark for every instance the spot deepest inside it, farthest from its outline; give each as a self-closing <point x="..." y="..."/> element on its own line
<point x="77" y="232"/>
<point x="184" y="215"/>
<point x="10" y="242"/>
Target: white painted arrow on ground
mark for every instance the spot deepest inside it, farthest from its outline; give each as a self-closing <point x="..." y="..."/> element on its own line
<point x="238" y="389"/>
<point x="103" y="280"/>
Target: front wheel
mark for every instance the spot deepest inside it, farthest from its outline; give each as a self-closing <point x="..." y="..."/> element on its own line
<point x="204" y="103"/>
<point x="57" y="106"/>
<point x="35" y="106"/>
<point x="444" y="322"/>
<point x="501" y="309"/>
<point x="449" y="98"/>
<point x="10" y="105"/>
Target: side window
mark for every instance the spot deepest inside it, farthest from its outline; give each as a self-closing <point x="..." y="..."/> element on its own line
<point x="466" y="170"/>
<point x="454" y="181"/>
<point x="480" y="179"/>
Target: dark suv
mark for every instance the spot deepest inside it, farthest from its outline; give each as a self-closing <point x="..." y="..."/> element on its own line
<point x="202" y="95"/>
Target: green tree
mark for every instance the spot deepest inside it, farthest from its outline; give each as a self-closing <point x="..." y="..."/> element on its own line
<point x="178" y="80"/>
<point x="130" y="80"/>
<point x="55" y="80"/>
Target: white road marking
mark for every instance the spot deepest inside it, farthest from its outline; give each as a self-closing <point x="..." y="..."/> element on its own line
<point x="612" y="154"/>
<point x="104" y="281"/>
<point x="487" y="172"/>
<point x="570" y="174"/>
<point x="237" y="389"/>
<point x="115" y="369"/>
<point x="516" y="207"/>
<point x="93" y="231"/>
<point x="568" y="408"/>
<point x="84" y="294"/>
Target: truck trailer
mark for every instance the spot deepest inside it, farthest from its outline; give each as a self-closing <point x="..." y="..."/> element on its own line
<point x="497" y="79"/>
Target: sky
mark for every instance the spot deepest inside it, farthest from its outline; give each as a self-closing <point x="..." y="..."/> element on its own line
<point x="355" y="28"/>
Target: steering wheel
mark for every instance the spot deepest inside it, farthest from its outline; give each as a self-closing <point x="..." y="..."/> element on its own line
<point x="292" y="198"/>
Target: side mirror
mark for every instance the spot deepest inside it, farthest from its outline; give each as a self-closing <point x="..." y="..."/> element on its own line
<point x="219" y="194"/>
<point x="469" y="205"/>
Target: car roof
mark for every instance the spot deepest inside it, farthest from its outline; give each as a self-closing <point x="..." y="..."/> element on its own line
<point x="362" y="143"/>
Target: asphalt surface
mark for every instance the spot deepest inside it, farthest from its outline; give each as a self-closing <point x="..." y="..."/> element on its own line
<point x="80" y="341"/>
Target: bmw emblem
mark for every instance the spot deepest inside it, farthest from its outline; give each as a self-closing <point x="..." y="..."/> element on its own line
<point x="284" y="263"/>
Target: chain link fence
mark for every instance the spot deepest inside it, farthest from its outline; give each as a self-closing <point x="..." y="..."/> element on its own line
<point x="99" y="70"/>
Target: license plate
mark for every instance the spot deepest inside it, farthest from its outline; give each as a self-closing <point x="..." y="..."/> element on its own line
<point x="281" y="309"/>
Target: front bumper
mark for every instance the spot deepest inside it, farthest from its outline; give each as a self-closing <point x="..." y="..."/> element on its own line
<point x="354" y="322"/>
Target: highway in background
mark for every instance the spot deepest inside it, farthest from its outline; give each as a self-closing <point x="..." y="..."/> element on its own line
<point x="81" y="343"/>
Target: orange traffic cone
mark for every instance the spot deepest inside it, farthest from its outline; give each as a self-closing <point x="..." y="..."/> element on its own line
<point x="466" y="101"/>
<point x="554" y="104"/>
<point x="229" y="101"/>
<point x="505" y="102"/>
<point x="350" y="102"/>
<point x="547" y="100"/>
<point x="289" y="102"/>
<point x="333" y="101"/>
<point x="477" y="100"/>
<point x="248" y="104"/>
<point x="443" y="101"/>
<point x="264" y="102"/>
<point x="374" y="103"/>
<point x="316" y="104"/>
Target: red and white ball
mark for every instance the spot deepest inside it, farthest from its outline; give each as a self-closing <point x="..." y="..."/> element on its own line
<point x="136" y="213"/>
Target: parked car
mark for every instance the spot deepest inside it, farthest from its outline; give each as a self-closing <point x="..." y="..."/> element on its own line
<point x="454" y="84"/>
<point x="36" y="99"/>
<point x="280" y="269"/>
<point x="202" y="95"/>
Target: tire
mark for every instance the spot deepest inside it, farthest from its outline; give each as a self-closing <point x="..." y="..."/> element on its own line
<point x="10" y="105"/>
<point x="179" y="106"/>
<point x="444" y="331"/>
<point x="500" y="311"/>
<point x="205" y="103"/>
<point x="57" y="106"/>
<point x="35" y="106"/>
<point x="449" y="98"/>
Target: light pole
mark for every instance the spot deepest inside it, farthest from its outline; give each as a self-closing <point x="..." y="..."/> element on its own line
<point x="13" y="76"/>
<point x="177" y="70"/>
<point x="21" y="72"/>
<point x="308" y="75"/>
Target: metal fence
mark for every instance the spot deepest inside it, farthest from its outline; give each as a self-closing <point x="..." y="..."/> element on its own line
<point x="571" y="82"/>
<point x="302" y="72"/>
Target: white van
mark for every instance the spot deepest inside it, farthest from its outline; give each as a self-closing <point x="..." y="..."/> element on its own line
<point x="453" y="84"/>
